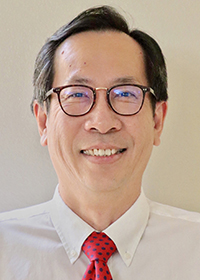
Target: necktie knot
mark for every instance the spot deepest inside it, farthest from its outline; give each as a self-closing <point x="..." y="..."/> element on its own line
<point x="98" y="247"/>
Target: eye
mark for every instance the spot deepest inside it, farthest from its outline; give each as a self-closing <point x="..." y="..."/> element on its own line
<point x="125" y="94"/>
<point x="77" y="94"/>
<point x="74" y="93"/>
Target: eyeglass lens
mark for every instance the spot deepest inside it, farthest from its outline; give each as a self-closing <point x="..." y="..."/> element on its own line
<point x="124" y="100"/>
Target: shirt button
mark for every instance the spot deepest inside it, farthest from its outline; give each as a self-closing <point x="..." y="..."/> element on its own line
<point x="127" y="255"/>
<point x="73" y="253"/>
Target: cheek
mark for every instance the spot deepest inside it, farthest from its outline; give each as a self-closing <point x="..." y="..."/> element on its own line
<point x="141" y="125"/>
<point x="141" y="132"/>
<point x="62" y="133"/>
<point x="144" y="141"/>
<point x="55" y="129"/>
<point x="147" y="122"/>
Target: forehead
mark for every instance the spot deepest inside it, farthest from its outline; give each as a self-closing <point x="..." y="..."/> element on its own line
<point x="106" y="53"/>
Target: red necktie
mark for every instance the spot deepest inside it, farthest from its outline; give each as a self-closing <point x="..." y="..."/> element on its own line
<point x="98" y="247"/>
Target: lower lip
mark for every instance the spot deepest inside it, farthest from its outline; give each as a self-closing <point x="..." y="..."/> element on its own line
<point x="104" y="159"/>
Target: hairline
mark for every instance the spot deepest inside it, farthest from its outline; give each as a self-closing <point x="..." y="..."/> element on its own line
<point x="98" y="31"/>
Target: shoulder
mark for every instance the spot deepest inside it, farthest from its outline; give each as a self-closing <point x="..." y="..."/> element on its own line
<point x="171" y="220"/>
<point x="175" y="213"/>
<point x="25" y="215"/>
<point x="20" y="228"/>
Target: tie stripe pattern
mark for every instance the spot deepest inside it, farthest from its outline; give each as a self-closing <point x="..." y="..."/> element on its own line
<point x="98" y="247"/>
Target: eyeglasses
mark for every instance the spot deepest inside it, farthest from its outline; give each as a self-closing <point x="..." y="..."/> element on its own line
<point x="78" y="100"/>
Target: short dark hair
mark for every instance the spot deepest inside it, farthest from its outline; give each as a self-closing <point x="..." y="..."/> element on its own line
<point x="101" y="18"/>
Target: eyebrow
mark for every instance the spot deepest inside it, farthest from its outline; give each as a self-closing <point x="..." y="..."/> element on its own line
<point x="86" y="81"/>
<point x="125" y="80"/>
<point x="78" y="80"/>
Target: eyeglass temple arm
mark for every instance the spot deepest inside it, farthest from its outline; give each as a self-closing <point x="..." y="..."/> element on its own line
<point x="152" y="92"/>
<point x="48" y="93"/>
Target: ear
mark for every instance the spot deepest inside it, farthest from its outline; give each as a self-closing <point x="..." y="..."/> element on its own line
<point x="159" y="118"/>
<point x="41" y="118"/>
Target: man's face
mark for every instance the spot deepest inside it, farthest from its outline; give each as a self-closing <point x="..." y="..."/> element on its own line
<point x="100" y="59"/>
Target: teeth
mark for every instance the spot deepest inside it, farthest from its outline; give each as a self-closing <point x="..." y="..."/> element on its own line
<point x="101" y="152"/>
<point x="108" y="152"/>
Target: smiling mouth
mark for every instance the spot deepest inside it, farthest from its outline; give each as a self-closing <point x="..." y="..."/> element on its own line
<point x="102" y="152"/>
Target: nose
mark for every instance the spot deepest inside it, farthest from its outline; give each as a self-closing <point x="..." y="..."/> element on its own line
<point x="102" y="118"/>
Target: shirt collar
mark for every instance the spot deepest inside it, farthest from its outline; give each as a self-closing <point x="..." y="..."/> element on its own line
<point x="126" y="232"/>
<point x="71" y="229"/>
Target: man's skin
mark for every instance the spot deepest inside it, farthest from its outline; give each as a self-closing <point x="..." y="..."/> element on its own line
<point x="100" y="189"/>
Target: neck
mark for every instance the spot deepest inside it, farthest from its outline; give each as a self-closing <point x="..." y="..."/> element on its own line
<point x="100" y="209"/>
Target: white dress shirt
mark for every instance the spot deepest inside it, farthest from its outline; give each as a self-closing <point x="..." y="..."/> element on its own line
<point x="154" y="242"/>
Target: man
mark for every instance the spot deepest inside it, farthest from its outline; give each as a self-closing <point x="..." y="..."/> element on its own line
<point x="100" y="104"/>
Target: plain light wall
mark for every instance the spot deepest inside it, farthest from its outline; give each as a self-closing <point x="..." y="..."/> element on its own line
<point x="26" y="174"/>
